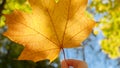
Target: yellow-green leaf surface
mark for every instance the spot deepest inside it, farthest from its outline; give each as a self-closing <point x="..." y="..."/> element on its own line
<point x="50" y="27"/>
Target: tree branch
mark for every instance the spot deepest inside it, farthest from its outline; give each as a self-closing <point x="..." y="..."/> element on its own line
<point x="2" y="6"/>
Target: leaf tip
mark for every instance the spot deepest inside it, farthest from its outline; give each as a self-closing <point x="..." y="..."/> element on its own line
<point x="56" y="1"/>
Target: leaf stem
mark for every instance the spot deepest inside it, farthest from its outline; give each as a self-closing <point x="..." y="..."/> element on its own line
<point x="64" y="53"/>
<point x="64" y="56"/>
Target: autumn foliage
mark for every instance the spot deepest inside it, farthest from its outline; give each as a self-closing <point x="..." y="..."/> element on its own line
<point x="49" y="28"/>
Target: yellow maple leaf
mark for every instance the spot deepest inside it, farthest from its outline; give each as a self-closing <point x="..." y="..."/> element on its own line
<point x="49" y="28"/>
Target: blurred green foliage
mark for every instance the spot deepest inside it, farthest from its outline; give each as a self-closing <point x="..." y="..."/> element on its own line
<point x="16" y="4"/>
<point x="2" y="21"/>
<point x="110" y="25"/>
<point x="9" y="51"/>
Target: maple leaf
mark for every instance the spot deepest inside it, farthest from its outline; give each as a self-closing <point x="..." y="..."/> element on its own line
<point x="49" y="28"/>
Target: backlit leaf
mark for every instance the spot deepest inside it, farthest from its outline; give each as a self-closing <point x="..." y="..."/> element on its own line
<point x="49" y="28"/>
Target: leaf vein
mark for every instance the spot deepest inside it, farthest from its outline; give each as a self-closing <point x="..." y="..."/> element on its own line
<point x="35" y="30"/>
